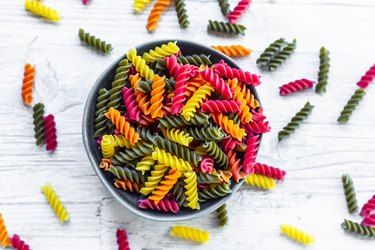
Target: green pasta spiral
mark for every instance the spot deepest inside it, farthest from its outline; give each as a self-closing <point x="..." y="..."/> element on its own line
<point x="323" y="71"/>
<point x="222" y="215"/>
<point x="217" y="154"/>
<point x="281" y="57"/>
<point x="146" y="134"/>
<point x="270" y="52"/>
<point x="224" y="7"/>
<point x="119" y="82"/>
<point x="357" y="228"/>
<point x="208" y="178"/>
<point x="214" y="191"/>
<point x="140" y="149"/>
<point x="94" y="42"/>
<point x="127" y="174"/>
<point x="177" y="149"/>
<point x="169" y="84"/>
<point x="179" y="193"/>
<point x="291" y="127"/>
<point x="145" y="86"/>
<point x="181" y="13"/>
<point x="351" y="106"/>
<point x="228" y="28"/>
<point x="101" y="109"/>
<point x="38" y="123"/>
<point x="179" y="121"/>
<point x="209" y="133"/>
<point x="350" y="194"/>
<point x="196" y="60"/>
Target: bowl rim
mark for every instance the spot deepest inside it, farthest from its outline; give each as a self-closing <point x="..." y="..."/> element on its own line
<point x="100" y="174"/>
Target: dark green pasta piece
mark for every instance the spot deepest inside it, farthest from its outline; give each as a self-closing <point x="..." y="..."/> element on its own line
<point x="94" y="42"/>
<point x="141" y="149"/>
<point x="101" y="108"/>
<point x="351" y="106"/>
<point x="350" y="194"/>
<point x="145" y="86"/>
<point x="119" y="82"/>
<point x="323" y="71"/>
<point x="127" y="174"/>
<point x="356" y="228"/>
<point x="222" y="215"/>
<point x="146" y="134"/>
<point x="214" y="191"/>
<point x="181" y="13"/>
<point x="178" y="150"/>
<point x="179" y="121"/>
<point x="209" y="133"/>
<point x="224" y="7"/>
<point x="214" y="177"/>
<point x="216" y="153"/>
<point x="179" y="193"/>
<point x="169" y="84"/>
<point x="234" y="117"/>
<point x="282" y="56"/>
<point x="38" y="123"/>
<point x="229" y="28"/>
<point x="270" y="52"/>
<point x="291" y="127"/>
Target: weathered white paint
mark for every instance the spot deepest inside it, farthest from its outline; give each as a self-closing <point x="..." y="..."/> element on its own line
<point x="321" y="151"/>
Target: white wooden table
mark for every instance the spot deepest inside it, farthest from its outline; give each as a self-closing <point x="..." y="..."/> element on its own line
<point x="321" y="151"/>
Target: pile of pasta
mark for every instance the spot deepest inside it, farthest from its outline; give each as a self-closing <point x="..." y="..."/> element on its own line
<point x="179" y="129"/>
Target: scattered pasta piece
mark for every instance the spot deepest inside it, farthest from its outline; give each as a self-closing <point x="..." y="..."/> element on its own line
<point x="122" y="239"/>
<point x="350" y="194"/>
<point x="367" y="78"/>
<point x="297" y="234"/>
<point x="38" y="8"/>
<point x="4" y="236"/>
<point x="19" y="244"/>
<point x="321" y="86"/>
<point x="190" y="233"/>
<point x="260" y="181"/>
<point x="57" y="206"/>
<point x="94" y="42"/>
<point x="28" y="83"/>
<point x="233" y="50"/>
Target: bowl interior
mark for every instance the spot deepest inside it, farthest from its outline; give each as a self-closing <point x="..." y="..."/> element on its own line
<point x="127" y="199"/>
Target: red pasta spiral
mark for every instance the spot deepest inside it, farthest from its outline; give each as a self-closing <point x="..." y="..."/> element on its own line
<point x="122" y="239"/>
<point x="228" y="144"/>
<point x="207" y="165"/>
<point x="50" y="132"/>
<point x="258" y="115"/>
<point x="295" y="86"/>
<point x="250" y="154"/>
<point x="133" y="111"/>
<point x="217" y="82"/>
<point x="272" y="172"/>
<point x="368" y="208"/>
<point x="230" y="73"/>
<point x="257" y="127"/>
<point x="369" y="221"/>
<point x="238" y="10"/>
<point x="172" y="64"/>
<point x="235" y="165"/>
<point x="165" y="205"/>
<point x="367" y="78"/>
<point x="220" y="106"/>
<point x="19" y="244"/>
<point x="182" y="77"/>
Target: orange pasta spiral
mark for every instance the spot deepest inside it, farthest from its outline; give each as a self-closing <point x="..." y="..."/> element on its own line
<point x="28" y="82"/>
<point x="233" y="50"/>
<point x="140" y="97"/>
<point x="128" y="185"/>
<point x="194" y="84"/>
<point x="229" y="126"/>
<point x="156" y="12"/>
<point x="245" y="113"/>
<point x="122" y="125"/>
<point x="4" y="237"/>
<point x="247" y="95"/>
<point x="165" y="186"/>
<point x="235" y="166"/>
<point x="157" y="97"/>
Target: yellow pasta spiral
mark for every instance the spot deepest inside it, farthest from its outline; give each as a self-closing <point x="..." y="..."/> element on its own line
<point x="229" y="126"/>
<point x="4" y="236"/>
<point x="161" y="52"/>
<point x="55" y="203"/>
<point x="139" y="5"/>
<point x="165" y="186"/>
<point x="194" y="84"/>
<point x="297" y="234"/>
<point x="191" y="189"/>
<point x="260" y="181"/>
<point x="181" y="137"/>
<point x="108" y="146"/>
<point x="38" y="8"/>
<point x="153" y="180"/>
<point x="145" y="164"/>
<point x="157" y="97"/>
<point x="170" y="160"/>
<point x="122" y="142"/>
<point x="190" y="108"/>
<point x="233" y="50"/>
<point x="140" y="64"/>
<point x="190" y="233"/>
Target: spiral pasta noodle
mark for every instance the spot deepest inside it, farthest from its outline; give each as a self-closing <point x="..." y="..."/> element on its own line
<point x="57" y="206"/>
<point x="27" y="86"/>
<point x="4" y="236"/>
<point x="105" y="164"/>
<point x="257" y="127"/>
<point x="218" y="83"/>
<point x="40" y="9"/>
<point x="127" y="185"/>
<point x="282" y="56"/>
<point x="133" y="111"/>
<point x="140" y="97"/>
<point x="224" y="7"/>
<point x="191" y="106"/>
<point x="295" y="122"/>
<point x="351" y="106"/>
<point x="153" y="180"/>
<point x="194" y="84"/>
<point x="235" y="166"/>
<point x="50" y="132"/>
<point x="209" y="133"/>
<point x="230" y="73"/>
<point x="19" y="244"/>
<point x="260" y="181"/>
<point x="369" y="221"/>
<point x="222" y="215"/>
<point x="137" y="151"/>
<point x="139" y="5"/>
<point x="367" y="78"/>
<point x="122" y="239"/>
<point x="157" y="10"/>
<point x="233" y="50"/>
<point x="229" y="126"/>
<point x="356" y="228"/>
<point x="242" y="94"/>
<point x="270" y="52"/>
<point x="368" y="207"/>
<point x="178" y="136"/>
<point x="126" y="173"/>
<point x="272" y="172"/>
<point x="323" y="71"/>
<point x="252" y="146"/>
<point x="157" y="97"/>
<point x="38" y="114"/>
<point x="212" y="177"/>
<point x="108" y="146"/>
<point x="295" y="86"/>
<point x="165" y="186"/>
<point x="241" y="7"/>
<point x="101" y="107"/>
<point x="121" y="141"/>
<point x="140" y="64"/>
<point x="297" y="234"/>
<point x="170" y="160"/>
<point x="191" y="190"/>
<point x="94" y="42"/>
<point x="178" y="121"/>
<point x="183" y="18"/>
<point x="164" y="205"/>
<point x="350" y="194"/>
<point x="190" y="233"/>
<point x="161" y="52"/>
<point x="229" y="28"/>
<point x="118" y="83"/>
<point x="216" y="153"/>
<point x="214" y="191"/>
<point x="219" y="106"/>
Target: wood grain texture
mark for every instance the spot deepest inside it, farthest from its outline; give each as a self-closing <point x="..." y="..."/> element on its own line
<point x="315" y="157"/>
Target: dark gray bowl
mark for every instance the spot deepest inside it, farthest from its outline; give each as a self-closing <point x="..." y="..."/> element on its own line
<point x="129" y="200"/>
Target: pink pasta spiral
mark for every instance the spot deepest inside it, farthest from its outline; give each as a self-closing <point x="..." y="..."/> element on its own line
<point x="122" y="239"/>
<point x="250" y="154"/>
<point x="133" y="111"/>
<point x="220" y="106"/>
<point x="369" y="221"/>
<point x="258" y="115"/>
<point x="272" y="172"/>
<point x="165" y="205"/>
<point x="182" y="76"/>
<point x="207" y="165"/>
<point x="257" y="127"/>
<point x="172" y="64"/>
<point x="228" y="144"/>
<point x="19" y="244"/>
<point x="50" y="132"/>
<point x="222" y="69"/>
<point x="217" y="82"/>
<point x="238" y="10"/>
<point x="367" y="78"/>
<point x="368" y="208"/>
<point x="295" y="86"/>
